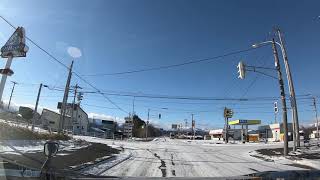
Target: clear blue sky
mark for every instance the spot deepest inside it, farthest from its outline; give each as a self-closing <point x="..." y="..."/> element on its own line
<point x="126" y="35"/>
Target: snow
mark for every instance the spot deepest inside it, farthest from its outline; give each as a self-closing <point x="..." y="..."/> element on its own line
<point x="31" y="146"/>
<point x="166" y="157"/>
<point x="24" y="125"/>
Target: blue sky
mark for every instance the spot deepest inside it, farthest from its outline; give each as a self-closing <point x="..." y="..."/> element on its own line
<point x="116" y="36"/>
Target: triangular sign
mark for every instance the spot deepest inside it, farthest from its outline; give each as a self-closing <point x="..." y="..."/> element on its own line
<point x="15" y="46"/>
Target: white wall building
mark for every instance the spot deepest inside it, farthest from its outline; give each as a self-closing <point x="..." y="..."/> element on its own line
<point x="80" y="120"/>
<point x="50" y="120"/>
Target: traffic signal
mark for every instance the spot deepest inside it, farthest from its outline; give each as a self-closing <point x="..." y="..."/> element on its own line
<point x="228" y="113"/>
<point x="276" y="107"/>
<point x="241" y="70"/>
<point x="159" y="116"/>
<point x="80" y="96"/>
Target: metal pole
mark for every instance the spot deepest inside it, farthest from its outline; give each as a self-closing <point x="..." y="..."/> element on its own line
<point x="77" y="116"/>
<point x="79" y="101"/>
<point x="192" y="122"/>
<point x="14" y="84"/>
<point x="73" y="103"/>
<point x="242" y="134"/>
<point x="247" y="136"/>
<point x="134" y="98"/>
<point x="316" y="111"/>
<point x="65" y="99"/>
<point x="226" y="130"/>
<point x="291" y="89"/>
<point x="147" y="124"/>
<point x="36" y="107"/>
<point x="294" y="137"/>
<point x="4" y="77"/>
<point x="283" y="99"/>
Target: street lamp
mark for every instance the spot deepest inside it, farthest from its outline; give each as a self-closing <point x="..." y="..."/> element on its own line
<point x="265" y="42"/>
<point x="296" y="137"/>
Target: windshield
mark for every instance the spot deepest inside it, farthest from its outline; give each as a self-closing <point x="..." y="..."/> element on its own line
<point x="136" y="88"/>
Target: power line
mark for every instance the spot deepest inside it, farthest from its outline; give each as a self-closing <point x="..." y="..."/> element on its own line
<point x="104" y="107"/>
<point x="154" y="96"/>
<point x="174" y="65"/>
<point x="59" y="62"/>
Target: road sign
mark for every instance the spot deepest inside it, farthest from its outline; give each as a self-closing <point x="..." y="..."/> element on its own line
<point x="68" y="105"/>
<point x="15" y="46"/>
<point x="6" y="71"/>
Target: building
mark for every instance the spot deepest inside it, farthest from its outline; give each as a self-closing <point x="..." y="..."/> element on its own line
<point x="50" y="120"/>
<point x="314" y="134"/>
<point x="128" y="127"/>
<point x="274" y="132"/>
<point x="216" y="134"/>
<point x="110" y="127"/>
<point x="80" y="120"/>
<point x="174" y="126"/>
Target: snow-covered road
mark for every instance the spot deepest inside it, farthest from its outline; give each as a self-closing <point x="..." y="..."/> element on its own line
<point x="166" y="157"/>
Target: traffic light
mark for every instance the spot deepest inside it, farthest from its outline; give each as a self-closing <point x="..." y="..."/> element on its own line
<point x="228" y="113"/>
<point x="80" y="96"/>
<point x="276" y="107"/>
<point x="241" y="70"/>
<point x="159" y="116"/>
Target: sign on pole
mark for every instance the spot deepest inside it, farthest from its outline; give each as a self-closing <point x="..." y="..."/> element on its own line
<point x="68" y="106"/>
<point x="16" y="45"/>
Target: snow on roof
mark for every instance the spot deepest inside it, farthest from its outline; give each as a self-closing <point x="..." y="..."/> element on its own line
<point x="216" y="131"/>
<point x="97" y="129"/>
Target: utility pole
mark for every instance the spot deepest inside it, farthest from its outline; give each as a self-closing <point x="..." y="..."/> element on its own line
<point x="186" y="123"/>
<point x="316" y="111"/>
<point x="291" y="89"/>
<point x="14" y="84"/>
<point x="147" y="124"/>
<point x="80" y="96"/>
<point x="73" y="103"/>
<point x="36" y="107"/>
<point x="65" y="99"/>
<point x="192" y="125"/>
<point x="134" y="98"/>
<point x="283" y="99"/>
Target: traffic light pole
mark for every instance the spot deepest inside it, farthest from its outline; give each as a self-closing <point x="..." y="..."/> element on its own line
<point x="291" y="90"/>
<point x="226" y="140"/>
<point x="283" y="99"/>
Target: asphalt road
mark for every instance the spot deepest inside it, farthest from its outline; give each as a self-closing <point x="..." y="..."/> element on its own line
<point x="181" y="158"/>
